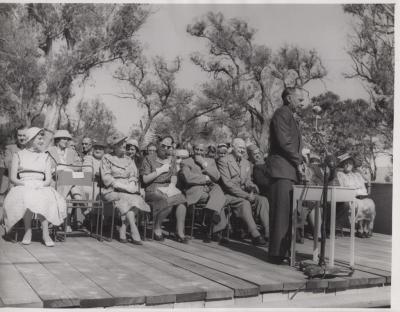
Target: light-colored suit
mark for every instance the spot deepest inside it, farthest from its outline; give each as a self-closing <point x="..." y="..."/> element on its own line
<point x="237" y="185"/>
<point x="197" y="187"/>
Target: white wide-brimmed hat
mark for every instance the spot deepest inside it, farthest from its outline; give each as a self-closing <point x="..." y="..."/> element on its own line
<point x="31" y="133"/>
<point x="62" y="134"/>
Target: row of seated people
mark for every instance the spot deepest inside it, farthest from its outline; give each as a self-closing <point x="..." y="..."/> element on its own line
<point x="229" y="181"/>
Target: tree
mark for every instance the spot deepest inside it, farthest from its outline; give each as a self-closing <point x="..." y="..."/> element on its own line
<point x="153" y="86"/>
<point x="246" y="77"/>
<point x="46" y="47"/>
<point x="371" y="49"/>
<point x="347" y="126"/>
<point x="95" y="120"/>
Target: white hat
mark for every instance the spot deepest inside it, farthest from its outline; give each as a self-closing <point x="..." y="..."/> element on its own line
<point x="182" y="153"/>
<point x="62" y="134"/>
<point x="31" y="133"/>
<point x="133" y="142"/>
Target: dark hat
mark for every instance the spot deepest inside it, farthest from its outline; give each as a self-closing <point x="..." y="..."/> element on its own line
<point x="99" y="143"/>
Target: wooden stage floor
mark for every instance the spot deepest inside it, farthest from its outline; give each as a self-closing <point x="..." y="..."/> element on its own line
<point x="83" y="272"/>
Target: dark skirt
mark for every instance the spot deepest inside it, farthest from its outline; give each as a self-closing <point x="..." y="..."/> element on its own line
<point x="159" y="202"/>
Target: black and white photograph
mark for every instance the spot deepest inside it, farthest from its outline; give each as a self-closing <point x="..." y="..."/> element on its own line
<point x="194" y="155"/>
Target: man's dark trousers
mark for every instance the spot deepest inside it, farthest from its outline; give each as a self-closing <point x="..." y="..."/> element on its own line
<point x="280" y="213"/>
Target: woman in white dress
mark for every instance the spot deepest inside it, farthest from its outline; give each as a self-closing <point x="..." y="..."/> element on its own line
<point x="31" y="193"/>
<point x="365" y="206"/>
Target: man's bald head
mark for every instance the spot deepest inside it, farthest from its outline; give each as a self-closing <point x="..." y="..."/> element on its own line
<point x="239" y="147"/>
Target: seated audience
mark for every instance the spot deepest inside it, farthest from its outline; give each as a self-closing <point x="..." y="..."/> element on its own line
<point x="199" y="179"/>
<point x="151" y="149"/>
<point x="241" y="192"/>
<point x="63" y="156"/>
<point x="133" y="151"/>
<point x="14" y="148"/>
<point x="365" y="206"/>
<point x="87" y="146"/>
<point x="212" y="151"/>
<point x="93" y="160"/>
<point x="159" y="174"/>
<point x="222" y="150"/>
<point x="260" y="176"/>
<point x="30" y="174"/>
<point x="120" y="177"/>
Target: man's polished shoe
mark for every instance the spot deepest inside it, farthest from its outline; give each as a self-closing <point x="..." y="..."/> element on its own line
<point x="259" y="241"/>
<point x="276" y="260"/>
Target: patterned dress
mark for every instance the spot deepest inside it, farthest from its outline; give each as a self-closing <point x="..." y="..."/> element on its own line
<point x="121" y="170"/>
<point x="43" y="200"/>
<point x="157" y="201"/>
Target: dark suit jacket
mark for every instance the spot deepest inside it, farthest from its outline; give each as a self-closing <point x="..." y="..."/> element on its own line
<point x="261" y="178"/>
<point x="235" y="178"/>
<point x="192" y="179"/>
<point x="285" y="145"/>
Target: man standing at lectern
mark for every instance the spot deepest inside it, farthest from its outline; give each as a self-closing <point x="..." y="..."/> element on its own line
<point x="284" y="167"/>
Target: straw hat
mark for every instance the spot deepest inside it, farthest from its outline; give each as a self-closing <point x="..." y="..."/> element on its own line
<point x="62" y="134"/>
<point x="133" y="142"/>
<point x="31" y="133"/>
<point x="116" y="138"/>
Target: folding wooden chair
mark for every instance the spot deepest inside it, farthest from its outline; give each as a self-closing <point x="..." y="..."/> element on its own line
<point x="197" y="209"/>
<point x="86" y="179"/>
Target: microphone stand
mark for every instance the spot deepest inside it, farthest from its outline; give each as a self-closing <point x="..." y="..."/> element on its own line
<point x="321" y="270"/>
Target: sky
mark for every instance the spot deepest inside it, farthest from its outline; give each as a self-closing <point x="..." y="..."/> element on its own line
<point x="323" y="27"/>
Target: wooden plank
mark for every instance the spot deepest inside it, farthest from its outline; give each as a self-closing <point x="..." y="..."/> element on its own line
<point x="269" y="278"/>
<point x="119" y="263"/>
<point x="261" y="279"/>
<point x="50" y="290"/>
<point x="15" y="291"/>
<point x="183" y="289"/>
<point x="185" y="278"/>
<point x="122" y="289"/>
<point x="89" y="294"/>
<point x="240" y="287"/>
<point x="15" y="253"/>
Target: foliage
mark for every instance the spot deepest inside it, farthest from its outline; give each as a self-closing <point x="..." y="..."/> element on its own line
<point x="347" y="126"/>
<point x="46" y="47"/>
<point x="247" y="77"/>
<point x="95" y="120"/>
<point x="372" y="52"/>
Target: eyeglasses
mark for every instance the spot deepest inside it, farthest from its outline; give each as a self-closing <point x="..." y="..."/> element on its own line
<point x="168" y="147"/>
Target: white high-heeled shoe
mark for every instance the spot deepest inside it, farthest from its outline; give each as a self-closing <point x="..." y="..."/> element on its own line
<point x="27" y="240"/>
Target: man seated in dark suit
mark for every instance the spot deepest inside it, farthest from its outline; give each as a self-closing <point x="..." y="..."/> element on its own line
<point x="198" y="178"/>
<point x="241" y="192"/>
<point x="260" y="176"/>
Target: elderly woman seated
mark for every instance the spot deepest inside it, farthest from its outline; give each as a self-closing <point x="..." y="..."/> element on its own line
<point x="365" y="206"/>
<point x="30" y="174"/>
<point x="160" y="176"/>
<point x="121" y="179"/>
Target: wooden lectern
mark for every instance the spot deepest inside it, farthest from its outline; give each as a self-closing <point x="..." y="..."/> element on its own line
<point x="314" y="193"/>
